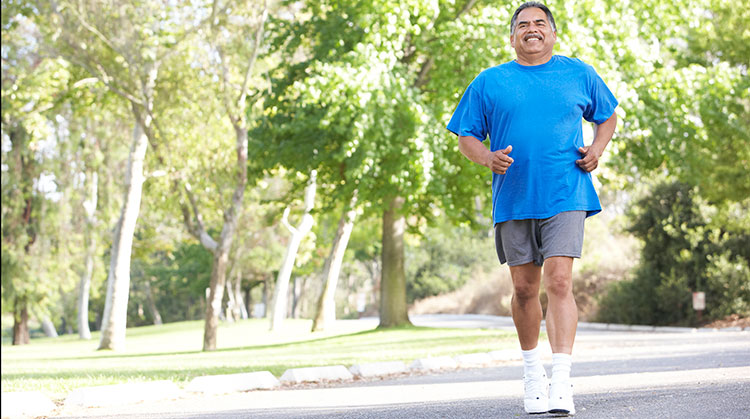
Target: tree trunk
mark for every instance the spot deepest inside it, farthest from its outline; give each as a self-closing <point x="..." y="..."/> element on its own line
<point x="84" y="332"/>
<point x="241" y="308"/>
<point x="20" y="323"/>
<point x="114" y="320"/>
<point x="294" y="293"/>
<point x="236" y="306"/>
<point x="248" y="302"/>
<point x="231" y="312"/>
<point x="221" y="253"/>
<point x="393" y="308"/>
<point x="266" y="295"/>
<point x="281" y="291"/>
<point x="325" y="311"/>
<point x="215" y="296"/>
<point x="151" y="304"/>
<point x="84" y="286"/>
<point x="49" y="328"/>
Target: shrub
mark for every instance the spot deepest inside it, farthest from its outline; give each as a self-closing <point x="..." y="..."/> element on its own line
<point x="688" y="245"/>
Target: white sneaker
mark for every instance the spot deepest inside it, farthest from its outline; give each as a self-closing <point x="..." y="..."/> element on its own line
<point x="535" y="399"/>
<point x="561" y="398"/>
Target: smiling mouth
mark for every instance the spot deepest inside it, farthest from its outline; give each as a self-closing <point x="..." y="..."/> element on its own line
<point x="533" y="37"/>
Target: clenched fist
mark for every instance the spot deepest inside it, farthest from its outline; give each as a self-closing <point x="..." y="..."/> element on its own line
<point x="499" y="161"/>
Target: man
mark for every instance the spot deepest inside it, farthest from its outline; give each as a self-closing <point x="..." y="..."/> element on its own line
<point x="542" y="191"/>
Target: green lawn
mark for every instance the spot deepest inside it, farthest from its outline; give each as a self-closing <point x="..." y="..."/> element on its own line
<point x="55" y="366"/>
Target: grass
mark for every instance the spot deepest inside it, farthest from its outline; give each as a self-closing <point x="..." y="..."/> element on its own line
<point x="56" y="366"/>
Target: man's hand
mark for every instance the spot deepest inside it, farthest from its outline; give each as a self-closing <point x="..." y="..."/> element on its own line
<point x="499" y="161"/>
<point x="590" y="160"/>
<point x="602" y="134"/>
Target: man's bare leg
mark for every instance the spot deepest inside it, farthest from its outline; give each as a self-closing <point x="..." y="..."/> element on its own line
<point x="562" y="312"/>
<point x="525" y="306"/>
<point x="562" y="320"/>
<point x="527" y="316"/>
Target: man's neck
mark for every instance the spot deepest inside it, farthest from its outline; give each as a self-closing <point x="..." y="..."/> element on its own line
<point x="532" y="61"/>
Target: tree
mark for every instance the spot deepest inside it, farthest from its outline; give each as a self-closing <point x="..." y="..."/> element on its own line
<point x="279" y="307"/>
<point x="89" y="207"/>
<point x="30" y="84"/>
<point x="124" y="47"/>
<point x="683" y="86"/>
<point x="365" y="106"/>
<point x="325" y="310"/>
<point x="234" y="69"/>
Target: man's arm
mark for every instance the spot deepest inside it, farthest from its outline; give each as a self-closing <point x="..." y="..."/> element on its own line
<point x="474" y="150"/>
<point x="602" y="134"/>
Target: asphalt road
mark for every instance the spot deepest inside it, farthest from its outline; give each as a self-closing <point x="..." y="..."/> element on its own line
<point x="616" y="374"/>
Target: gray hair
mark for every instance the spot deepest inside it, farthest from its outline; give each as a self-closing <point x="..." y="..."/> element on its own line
<point x="526" y="5"/>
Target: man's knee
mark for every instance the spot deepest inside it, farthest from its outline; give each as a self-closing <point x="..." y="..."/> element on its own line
<point x="526" y="281"/>
<point x="525" y="291"/>
<point x="558" y="277"/>
<point x="558" y="284"/>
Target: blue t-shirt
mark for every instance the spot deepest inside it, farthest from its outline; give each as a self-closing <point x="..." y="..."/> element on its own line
<point x="537" y="110"/>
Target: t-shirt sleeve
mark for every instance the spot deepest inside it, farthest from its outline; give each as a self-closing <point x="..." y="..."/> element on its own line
<point x="603" y="102"/>
<point x="469" y="118"/>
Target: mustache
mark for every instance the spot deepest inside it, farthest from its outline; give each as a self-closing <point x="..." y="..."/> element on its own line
<point x="533" y="35"/>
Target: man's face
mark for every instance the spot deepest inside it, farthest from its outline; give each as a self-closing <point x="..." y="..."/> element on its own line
<point x="533" y="35"/>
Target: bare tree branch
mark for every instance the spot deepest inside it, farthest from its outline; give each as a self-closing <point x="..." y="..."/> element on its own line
<point x="214" y="12"/>
<point x="422" y="77"/>
<point x="285" y="221"/>
<point x="199" y="230"/>
<point x="469" y="4"/>
<point x="98" y="72"/>
<point x="259" y="34"/>
<point x="79" y="16"/>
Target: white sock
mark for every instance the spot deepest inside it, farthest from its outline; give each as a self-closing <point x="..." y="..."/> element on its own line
<point x="532" y="362"/>
<point x="561" y="364"/>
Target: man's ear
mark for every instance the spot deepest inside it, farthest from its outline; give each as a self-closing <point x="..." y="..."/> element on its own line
<point x="512" y="41"/>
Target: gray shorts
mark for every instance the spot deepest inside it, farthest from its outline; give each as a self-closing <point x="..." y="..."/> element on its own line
<point x="518" y="242"/>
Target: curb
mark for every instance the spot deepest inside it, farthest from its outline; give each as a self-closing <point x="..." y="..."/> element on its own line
<point x="378" y="369"/>
<point x="122" y="394"/>
<point x="230" y="383"/>
<point x="26" y="403"/>
<point x="432" y="364"/>
<point x="314" y="374"/>
<point x="473" y="360"/>
<point x="647" y="328"/>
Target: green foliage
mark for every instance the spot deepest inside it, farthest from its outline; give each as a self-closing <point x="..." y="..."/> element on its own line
<point x="37" y="268"/>
<point x="366" y="104"/>
<point x="687" y="106"/>
<point x="688" y="246"/>
<point x="727" y="285"/>
<point x="444" y="259"/>
<point x="178" y="280"/>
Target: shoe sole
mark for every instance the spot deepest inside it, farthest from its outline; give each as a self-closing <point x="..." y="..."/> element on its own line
<point x="561" y="412"/>
<point x="536" y="412"/>
<point x="538" y="409"/>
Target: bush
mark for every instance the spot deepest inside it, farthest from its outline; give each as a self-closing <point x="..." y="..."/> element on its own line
<point x="727" y="286"/>
<point x="445" y="259"/>
<point x="688" y="245"/>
